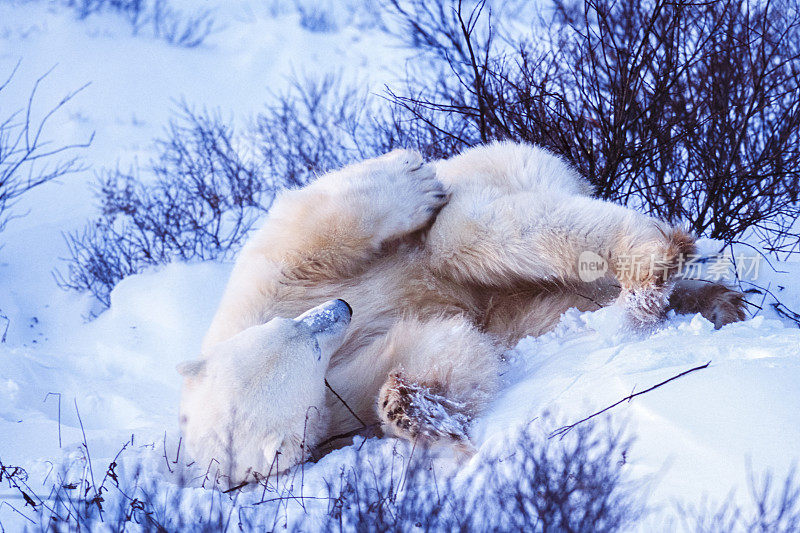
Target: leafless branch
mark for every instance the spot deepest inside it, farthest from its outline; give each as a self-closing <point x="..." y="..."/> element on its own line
<point x="562" y="431"/>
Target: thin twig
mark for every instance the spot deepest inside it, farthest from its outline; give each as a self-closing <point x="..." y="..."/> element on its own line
<point x="236" y="487"/>
<point x="759" y="252"/>
<point x="166" y="460"/>
<point x="348" y="434"/>
<point x="85" y="445"/>
<point x="344" y="403"/>
<point x="59" y="412"/>
<point x="786" y="312"/>
<point x="562" y="431"/>
<point x="19" y="512"/>
<point x="7" y="324"/>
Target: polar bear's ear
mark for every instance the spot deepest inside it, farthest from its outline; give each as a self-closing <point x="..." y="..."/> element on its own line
<point x="190" y="369"/>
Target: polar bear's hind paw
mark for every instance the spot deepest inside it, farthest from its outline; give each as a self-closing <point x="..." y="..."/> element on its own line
<point x="414" y="411"/>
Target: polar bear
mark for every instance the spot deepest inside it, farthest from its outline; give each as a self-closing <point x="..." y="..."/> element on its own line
<point x="445" y="265"/>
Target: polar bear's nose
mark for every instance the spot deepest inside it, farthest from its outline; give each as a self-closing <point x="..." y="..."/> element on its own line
<point x="349" y="307"/>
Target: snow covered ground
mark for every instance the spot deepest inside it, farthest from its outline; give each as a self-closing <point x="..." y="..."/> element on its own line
<point x="696" y="437"/>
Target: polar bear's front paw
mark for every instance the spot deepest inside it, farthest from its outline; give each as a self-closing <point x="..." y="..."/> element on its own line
<point x="409" y="194"/>
<point x="414" y="411"/>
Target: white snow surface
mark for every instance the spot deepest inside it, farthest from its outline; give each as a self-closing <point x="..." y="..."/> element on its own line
<point x="696" y="437"/>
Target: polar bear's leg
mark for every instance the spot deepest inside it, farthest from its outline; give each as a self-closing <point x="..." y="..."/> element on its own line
<point x="444" y="371"/>
<point x="500" y="240"/>
<point x="326" y="232"/>
<point x="327" y="229"/>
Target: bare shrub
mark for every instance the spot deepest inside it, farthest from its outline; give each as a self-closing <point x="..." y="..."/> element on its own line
<point x="536" y="484"/>
<point x="322" y="124"/>
<point x="27" y="158"/>
<point x="325" y="123"/>
<point x="197" y="202"/>
<point x="771" y="508"/>
<point x="688" y="110"/>
<point x="177" y="27"/>
<point x="574" y="487"/>
<point x="204" y="192"/>
<point x="317" y="16"/>
<point x="133" y="10"/>
<point x="316" y="126"/>
<point x="328" y="16"/>
<point x="123" y="497"/>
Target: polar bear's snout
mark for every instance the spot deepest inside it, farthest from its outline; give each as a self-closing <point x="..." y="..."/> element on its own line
<point x="328" y="315"/>
<point x="327" y="322"/>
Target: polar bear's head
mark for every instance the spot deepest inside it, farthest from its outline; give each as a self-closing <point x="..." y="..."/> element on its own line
<point x="262" y="392"/>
